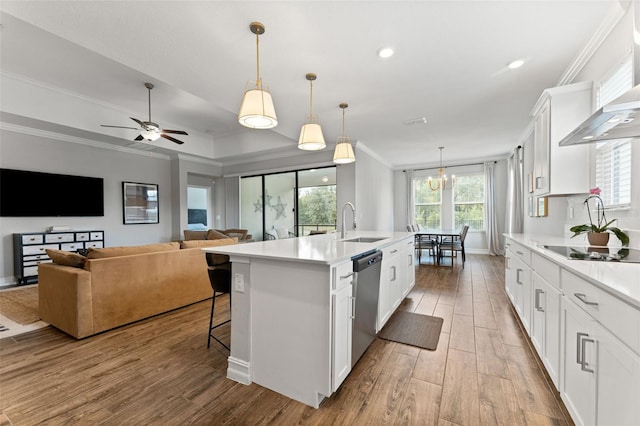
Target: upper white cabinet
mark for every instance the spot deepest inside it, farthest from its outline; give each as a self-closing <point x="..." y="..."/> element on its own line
<point x="559" y="110"/>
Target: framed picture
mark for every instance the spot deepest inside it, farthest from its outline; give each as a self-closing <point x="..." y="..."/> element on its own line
<point x="542" y="207"/>
<point x="139" y="203"/>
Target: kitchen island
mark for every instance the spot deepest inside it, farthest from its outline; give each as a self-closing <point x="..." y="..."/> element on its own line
<point x="292" y="308"/>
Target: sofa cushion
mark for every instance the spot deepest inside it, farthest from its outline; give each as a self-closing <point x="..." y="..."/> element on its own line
<point x="212" y="234"/>
<point x="66" y="258"/>
<point x="195" y="235"/>
<point x="101" y="253"/>
<point x="207" y="243"/>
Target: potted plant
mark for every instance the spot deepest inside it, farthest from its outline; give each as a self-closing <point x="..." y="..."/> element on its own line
<point x="598" y="233"/>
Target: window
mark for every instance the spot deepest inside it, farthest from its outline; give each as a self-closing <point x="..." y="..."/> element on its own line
<point x="426" y="204"/>
<point x="468" y="202"/>
<point x="613" y="159"/>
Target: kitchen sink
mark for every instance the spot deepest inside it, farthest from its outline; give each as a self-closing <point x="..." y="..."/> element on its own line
<point x="364" y="239"/>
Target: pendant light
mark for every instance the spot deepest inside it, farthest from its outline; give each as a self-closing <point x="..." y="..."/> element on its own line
<point x="442" y="177"/>
<point x="257" y="110"/>
<point x="344" y="151"/>
<point x="311" y="138"/>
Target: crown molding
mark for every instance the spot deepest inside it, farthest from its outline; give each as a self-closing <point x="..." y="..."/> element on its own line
<point x="611" y="19"/>
<point x="195" y="159"/>
<point x="81" y="141"/>
<point x="362" y="147"/>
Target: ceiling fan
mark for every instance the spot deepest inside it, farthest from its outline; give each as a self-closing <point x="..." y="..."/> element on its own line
<point x="150" y="130"/>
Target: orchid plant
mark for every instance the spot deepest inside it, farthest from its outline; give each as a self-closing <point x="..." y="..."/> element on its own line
<point x="601" y="224"/>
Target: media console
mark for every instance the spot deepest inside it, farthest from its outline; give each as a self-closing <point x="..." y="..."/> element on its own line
<point x="29" y="249"/>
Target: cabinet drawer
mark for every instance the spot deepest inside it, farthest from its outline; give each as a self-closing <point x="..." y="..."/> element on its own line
<point x="82" y="236"/>
<point x="521" y="251"/>
<point x="93" y="244"/>
<point x="96" y="236"/>
<point x="71" y="246"/>
<point x="36" y="262"/>
<point x="35" y="257"/>
<point x="615" y="315"/>
<point x="390" y="251"/>
<point x="30" y="271"/>
<point x="58" y="238"/>
<point x="39" y="249"/>
<point x="342" y="275"/>
<point x="546" y="269"/>
<point x="32" y="239"/>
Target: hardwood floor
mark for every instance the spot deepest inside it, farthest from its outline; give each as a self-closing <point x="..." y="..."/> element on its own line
<point x="159" y="371"/>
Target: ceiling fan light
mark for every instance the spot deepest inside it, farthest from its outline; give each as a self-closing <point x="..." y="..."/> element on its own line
<point x="344" y="152"/>
<point x="311" y="138"/>
<point x="257" y="110"/>
<point x="150" y="135"/>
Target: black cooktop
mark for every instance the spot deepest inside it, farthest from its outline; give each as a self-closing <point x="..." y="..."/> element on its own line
<point x="598" y="254"/>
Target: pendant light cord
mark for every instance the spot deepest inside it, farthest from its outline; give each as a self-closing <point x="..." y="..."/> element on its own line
<point x="311" y="101"/>
<point x="149" y="90"/>
<point x="258" y="82"/>
<point x="343" y="124"/>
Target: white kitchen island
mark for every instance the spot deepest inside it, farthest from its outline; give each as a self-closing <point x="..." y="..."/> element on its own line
<point x="292" y="304"/>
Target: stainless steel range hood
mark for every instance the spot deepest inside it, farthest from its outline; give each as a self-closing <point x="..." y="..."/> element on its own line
<point x="620" y="119"/>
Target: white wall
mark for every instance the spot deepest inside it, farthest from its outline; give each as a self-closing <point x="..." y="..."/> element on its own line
<point x="374" y="193"/>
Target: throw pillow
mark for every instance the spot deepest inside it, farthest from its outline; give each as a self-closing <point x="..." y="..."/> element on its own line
<point x="195" y="235"/>
<point x="282" y="232"/>
<point x="66" y="258"/>
<point x="273" y="233"/>
<point x="212" y="234"/>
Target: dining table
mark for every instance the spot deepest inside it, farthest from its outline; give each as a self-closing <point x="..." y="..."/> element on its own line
<point x="437" y="235"/>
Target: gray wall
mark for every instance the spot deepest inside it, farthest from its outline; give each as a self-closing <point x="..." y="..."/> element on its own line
<point x="30" y="152"/>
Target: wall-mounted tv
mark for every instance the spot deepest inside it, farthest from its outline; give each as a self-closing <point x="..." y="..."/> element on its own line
<point x="25" y="193"/>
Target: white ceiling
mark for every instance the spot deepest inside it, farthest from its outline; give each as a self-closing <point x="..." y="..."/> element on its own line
<point x="449" y="67"/>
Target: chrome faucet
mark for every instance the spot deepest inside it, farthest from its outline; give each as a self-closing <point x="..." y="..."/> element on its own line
<point x="343" y="233"/>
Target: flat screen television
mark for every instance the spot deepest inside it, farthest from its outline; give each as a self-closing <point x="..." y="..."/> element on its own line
<point x="34" y="194"/>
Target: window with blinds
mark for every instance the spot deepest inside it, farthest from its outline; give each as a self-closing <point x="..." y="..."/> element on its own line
<point x="613" y="158"/>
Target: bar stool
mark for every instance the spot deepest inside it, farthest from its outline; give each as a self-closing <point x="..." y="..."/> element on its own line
<point x="219" y="269"/>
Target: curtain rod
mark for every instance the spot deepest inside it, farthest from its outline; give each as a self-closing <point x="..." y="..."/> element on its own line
<point x="455" y="165"/>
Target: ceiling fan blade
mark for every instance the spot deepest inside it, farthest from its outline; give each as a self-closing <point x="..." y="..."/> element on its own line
<point x="171" y="139"/>
<point x="139" y="138"/>
<point x="177" y="132"/>
<point x="119" y="127"/>
<point x="137" y="121"/>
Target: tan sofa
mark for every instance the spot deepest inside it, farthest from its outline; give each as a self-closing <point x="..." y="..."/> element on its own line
<point x="114" y="286"/>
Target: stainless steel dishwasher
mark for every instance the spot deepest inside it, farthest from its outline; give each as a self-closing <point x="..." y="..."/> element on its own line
<point x="366" y="289"/>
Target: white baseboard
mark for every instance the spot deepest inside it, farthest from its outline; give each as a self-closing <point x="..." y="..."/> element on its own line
<point x="239" y="370"/>
<point x="8" y="281"/>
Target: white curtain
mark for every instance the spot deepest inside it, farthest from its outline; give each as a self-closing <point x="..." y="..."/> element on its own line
<point x="410" y="199"/>
<point x="515" y="216"/>
<point x="493" y="236"/>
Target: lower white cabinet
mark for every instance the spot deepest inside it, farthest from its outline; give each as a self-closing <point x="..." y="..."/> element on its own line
<point x="601" y="375"/>
<point x="520" y="284"/>
<point x="342" y="335"/>
<point x="409" y="269"/>
<point x="545" y="324"/>
<point x="390" y="283"/>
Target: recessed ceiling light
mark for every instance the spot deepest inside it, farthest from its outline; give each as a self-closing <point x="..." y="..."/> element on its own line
<point x="385" y="52"/>
<point x="515" y="64"/>
<point x="587" y="137"/>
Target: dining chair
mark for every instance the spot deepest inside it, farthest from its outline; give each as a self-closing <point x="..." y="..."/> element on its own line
<point x="425" y="242"/>
<point x="454" y="245"/>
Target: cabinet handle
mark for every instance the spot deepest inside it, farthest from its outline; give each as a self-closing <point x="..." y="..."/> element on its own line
<point x="583" y="298"/>
<point x="519" y="252"/>
<point x="583" y="363"/>
<point x="539" y="182"/>
<point x="350" y="274"/>
<point x="518" y="276"/>
<point x="393" y="269"/>
<point x="538" y="293"/>
<point x="353" y="307"/>
<point x="506" y="265"/>
<point x="394" y="251"/>
<point x="579" y="337"/>
<point x="410" y="259"/>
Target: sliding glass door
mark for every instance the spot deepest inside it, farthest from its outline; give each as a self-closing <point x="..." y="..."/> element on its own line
<point x="279" y="201"/>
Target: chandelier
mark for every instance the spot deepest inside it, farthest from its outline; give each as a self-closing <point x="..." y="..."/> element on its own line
<point x="441" y="180"/>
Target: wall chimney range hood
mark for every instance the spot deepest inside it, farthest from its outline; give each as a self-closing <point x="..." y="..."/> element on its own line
<point x="620" y="119"/>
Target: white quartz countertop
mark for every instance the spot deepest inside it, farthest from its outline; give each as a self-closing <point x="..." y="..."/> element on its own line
<point x="323" y="249"/>
<point x="622" y="280"/>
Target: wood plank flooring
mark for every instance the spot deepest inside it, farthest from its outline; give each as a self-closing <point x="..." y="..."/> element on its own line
<point x="159" y="371"/>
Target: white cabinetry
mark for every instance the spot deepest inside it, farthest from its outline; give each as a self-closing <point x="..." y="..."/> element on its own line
<point x="342" y="322"/>
<point x="558" y="111"/>
<point x="545" y="314"/>
<point x="409" y="270"/>
<point x="600" y="374"/>
<point x="390" y="282"/>
<point x="518" y="281"/>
